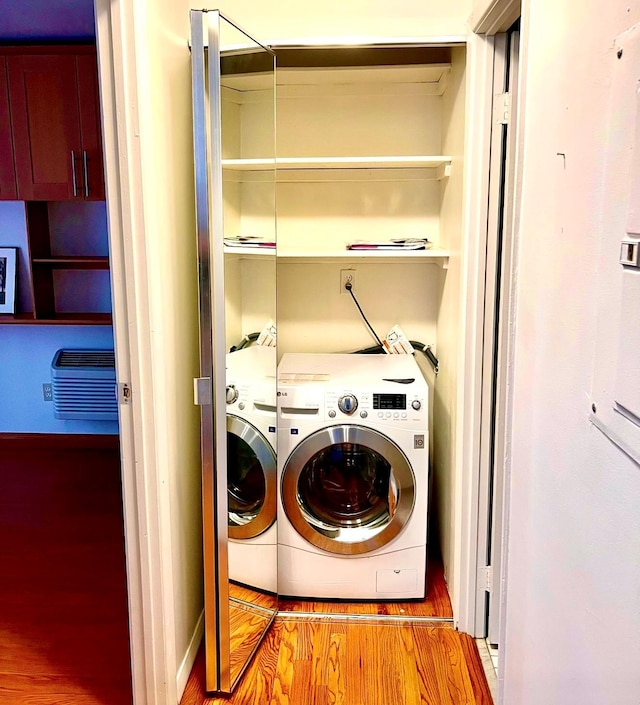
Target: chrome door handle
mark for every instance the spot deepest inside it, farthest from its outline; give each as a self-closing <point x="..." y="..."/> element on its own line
<point x="85" y="167"/>
<point x="73" y="173"/>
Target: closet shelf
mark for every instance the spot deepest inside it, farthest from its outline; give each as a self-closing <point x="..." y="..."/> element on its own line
<point x="251" y="252"/>
<point x="430" y="256"/>
<point x="70" y="319"/>
<point x="72" y="262"/>
<point x="340" y="168"/>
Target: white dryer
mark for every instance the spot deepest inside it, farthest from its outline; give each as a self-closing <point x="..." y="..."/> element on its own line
<point x="353" y="476"/>
<point x="251" y="467"/>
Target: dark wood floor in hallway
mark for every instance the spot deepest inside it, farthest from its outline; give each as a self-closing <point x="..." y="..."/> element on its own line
<point x="64" y="636"/>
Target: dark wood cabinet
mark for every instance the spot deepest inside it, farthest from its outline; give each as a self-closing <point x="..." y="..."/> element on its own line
<point x="55" y="123"/>
<point x="7" y="164"/>
<point x="51" y="155"/>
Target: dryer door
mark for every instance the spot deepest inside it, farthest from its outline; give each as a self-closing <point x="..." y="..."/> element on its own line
<point x="348" y="489"/>
<point x="251" y="480"/>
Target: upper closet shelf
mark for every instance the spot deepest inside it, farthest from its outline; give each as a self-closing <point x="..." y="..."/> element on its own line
<point x="429" y="256"/>
<point x="340" y="168"/>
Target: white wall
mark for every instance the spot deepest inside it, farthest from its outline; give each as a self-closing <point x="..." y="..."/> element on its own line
<point x="573" y="598"/>
<point x="281" y="21"/>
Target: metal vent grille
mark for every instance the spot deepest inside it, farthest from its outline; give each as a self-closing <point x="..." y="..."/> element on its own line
<point x="83" y="383"/>
<point x="86" y="358"/>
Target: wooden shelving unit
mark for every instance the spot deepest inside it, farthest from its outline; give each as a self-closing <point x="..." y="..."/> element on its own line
<point x="43" y="263"/>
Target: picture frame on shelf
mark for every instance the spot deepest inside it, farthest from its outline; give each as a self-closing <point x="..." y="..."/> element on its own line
<point x="8" y="270"/>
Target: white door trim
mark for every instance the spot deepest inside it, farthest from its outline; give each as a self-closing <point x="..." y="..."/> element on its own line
<point x="496" y="16"/>
<point x="145" y="493"/>
<point x="480" y="51"/>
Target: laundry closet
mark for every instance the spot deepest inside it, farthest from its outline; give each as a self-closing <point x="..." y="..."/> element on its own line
<point x="315" y="150"/>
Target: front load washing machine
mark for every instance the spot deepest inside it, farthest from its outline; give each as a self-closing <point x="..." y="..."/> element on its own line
<point x="251" y="466"/>
<point x="353" y="476"/>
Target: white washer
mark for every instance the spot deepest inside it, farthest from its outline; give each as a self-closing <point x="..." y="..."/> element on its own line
<point x="353" y="476"/>
<point x="251" y="467"/>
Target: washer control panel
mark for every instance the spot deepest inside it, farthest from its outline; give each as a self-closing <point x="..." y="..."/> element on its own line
<point x="400" y="407"/>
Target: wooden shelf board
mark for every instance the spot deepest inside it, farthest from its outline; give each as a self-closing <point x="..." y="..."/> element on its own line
<point x="17" y="318"/>
<point x="72" y="262"/>
<point x="66" y="319"/>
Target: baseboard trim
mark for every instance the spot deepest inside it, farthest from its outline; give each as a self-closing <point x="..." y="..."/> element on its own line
<point x="190" y="657"/>
<point x="60" y="441"/>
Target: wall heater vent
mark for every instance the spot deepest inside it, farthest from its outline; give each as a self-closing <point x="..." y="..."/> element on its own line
<point x="83" y="383"/>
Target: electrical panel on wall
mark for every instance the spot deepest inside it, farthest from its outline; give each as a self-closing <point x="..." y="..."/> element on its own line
<point x="615" y="403"/>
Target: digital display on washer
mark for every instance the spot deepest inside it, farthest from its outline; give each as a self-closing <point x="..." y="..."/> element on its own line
<point x="390" y="401"/>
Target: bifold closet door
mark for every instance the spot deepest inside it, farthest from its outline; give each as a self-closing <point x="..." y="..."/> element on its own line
<point x="233" y="81"/>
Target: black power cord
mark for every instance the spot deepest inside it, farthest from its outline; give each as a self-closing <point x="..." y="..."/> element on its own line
<point x="245" y="342"/>
<point x="349" y="286"/>
<point x="379" y="348"/>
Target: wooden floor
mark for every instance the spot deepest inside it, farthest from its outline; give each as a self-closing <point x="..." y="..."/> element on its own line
<point x="344" y="662"/>
<point x="64" y="636"/>
<point x="332" y="656"/>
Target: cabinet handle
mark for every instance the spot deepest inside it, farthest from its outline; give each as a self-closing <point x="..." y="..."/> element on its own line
<point x="73" y="173"/>
<point x="85" y="168"/>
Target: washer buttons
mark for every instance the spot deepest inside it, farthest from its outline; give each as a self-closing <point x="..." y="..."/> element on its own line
<point x="396" y="415"/>
<point x="332" y="414"/>
<point x="380" y="415"/>
<point x="241" y="405"/>
<point x="404" y="414"/>
<point x="387" y="415"/>
<point x="415" y="404"/>
<point x="363" y="414"/>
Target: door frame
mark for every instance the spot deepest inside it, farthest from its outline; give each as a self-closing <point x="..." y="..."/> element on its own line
<point x="120" y="39"/>
<point x="145" y="493"/>
<point x="488" y="19"/>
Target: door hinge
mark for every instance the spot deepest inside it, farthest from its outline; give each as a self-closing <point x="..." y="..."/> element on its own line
<point x="485" y="578"/>
<point x="124" y="393"/>
<point x="202" y="391"/>
<point x="502" y="108"/>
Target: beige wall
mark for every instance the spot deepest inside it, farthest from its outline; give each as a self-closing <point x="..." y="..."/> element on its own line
<point x="166" y="147"/>
<point x="282" y="21"/>
<point x="449" y="316"/>
<point x="169" y="212"/>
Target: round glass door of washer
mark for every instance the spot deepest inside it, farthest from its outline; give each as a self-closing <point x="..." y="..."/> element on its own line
<point x="251" y="480"/>
<point x="348" y="489"/>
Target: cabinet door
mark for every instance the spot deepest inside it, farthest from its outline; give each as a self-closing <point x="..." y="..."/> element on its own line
<point x="46" y="126"/>
<point x="90" y="128"/>
<point x="7" y="166"/>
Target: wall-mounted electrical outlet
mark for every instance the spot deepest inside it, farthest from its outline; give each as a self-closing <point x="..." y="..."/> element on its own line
<point x="47" y="392"/>
<point x="347" y="276"/>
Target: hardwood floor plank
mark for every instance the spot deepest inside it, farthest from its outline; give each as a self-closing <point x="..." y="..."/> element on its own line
<point x="336" y="668"/>
<point x="409" y="666"/>
<point x="481" y="690"/>
<point x="282" y="684"/>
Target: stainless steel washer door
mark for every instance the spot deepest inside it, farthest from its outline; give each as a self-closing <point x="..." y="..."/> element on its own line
<point x="348" y="489"/>
<point x="251" y="480"/>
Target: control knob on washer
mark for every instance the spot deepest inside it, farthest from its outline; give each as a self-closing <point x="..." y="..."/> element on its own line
<point x="232" y="394"/>
<point x="347" y="403"/>
<point x="415" y="404"/>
